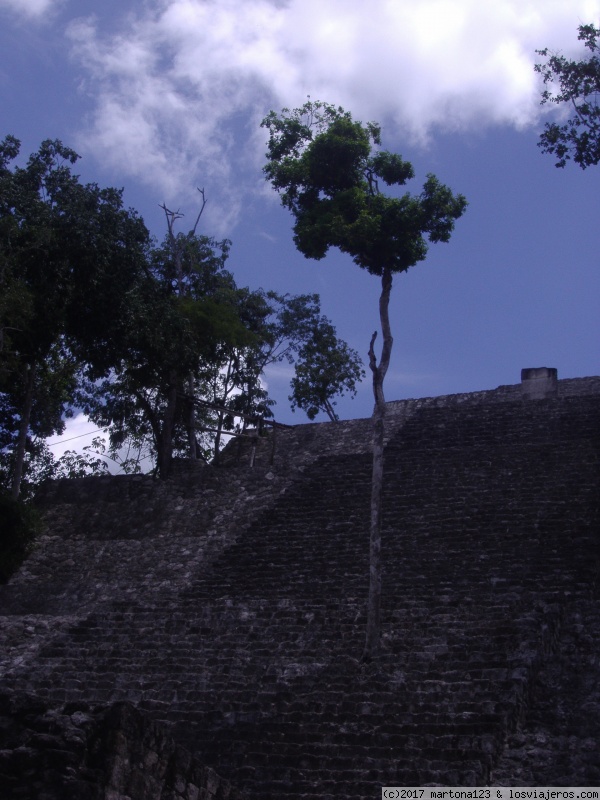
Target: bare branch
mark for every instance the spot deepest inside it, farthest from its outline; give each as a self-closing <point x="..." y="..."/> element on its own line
<point x="172" y="217"/>
<point x="204" y="201"/>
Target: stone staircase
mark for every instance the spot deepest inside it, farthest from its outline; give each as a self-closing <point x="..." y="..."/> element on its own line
<point x="252" y="657"/>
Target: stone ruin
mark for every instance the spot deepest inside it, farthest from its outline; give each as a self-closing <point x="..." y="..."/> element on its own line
<point x="201" y="637"/>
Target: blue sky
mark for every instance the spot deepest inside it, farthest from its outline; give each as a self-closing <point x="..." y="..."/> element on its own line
<point x="163" y="96"/>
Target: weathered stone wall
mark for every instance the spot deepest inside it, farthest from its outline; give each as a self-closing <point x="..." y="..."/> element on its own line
<point x="82" y="753"/>
<point x="228" y="604"/>
<point x="557" y="741"/>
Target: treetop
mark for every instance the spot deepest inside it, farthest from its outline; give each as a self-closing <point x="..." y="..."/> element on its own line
<point x="328" y="170"/>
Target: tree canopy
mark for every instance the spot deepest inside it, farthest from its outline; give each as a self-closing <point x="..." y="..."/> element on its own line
<point x="326" y="368"/>
<point x="69" y="256"/>
<point x="575" y="84"/>
<point x="329" y="170"/>
<point x="154" y="341"/>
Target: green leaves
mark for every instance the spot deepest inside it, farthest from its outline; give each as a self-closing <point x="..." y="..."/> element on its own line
<point x="335" y="160"/>
<point x="95" y="316"/>
<point x="392" y="168"/>
<point x="326" y="368"/>
<point x="69" y="257"/>
<point x="328" y="172"/>
<point x="577" y="84"/>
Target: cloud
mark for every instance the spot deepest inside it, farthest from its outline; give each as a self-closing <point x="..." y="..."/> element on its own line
<point x="267" y="236"/>
<point x="278" y="372"/>
<point x="32" y="9"/>
<point x="181" y="88"/>
<point x="78" y="434"/>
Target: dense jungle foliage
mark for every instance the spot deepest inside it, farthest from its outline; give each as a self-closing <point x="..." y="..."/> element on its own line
<point x="154" y="341"/>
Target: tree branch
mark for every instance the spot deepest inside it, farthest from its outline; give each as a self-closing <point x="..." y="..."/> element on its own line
<point x="171" y="216"/>
<point x="204" y="201"/>
<point x="579" y="115"/>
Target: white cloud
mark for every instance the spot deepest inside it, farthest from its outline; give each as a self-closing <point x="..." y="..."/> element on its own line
<point x="29" y="8"/>
<point x="267" y="236"/>
<point x="181" y="89"/>
<point x="78" y="433"/>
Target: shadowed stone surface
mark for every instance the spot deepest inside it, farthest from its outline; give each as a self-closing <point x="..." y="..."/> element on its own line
<point x="79" y="753"/>
<point x="228" y="605"/>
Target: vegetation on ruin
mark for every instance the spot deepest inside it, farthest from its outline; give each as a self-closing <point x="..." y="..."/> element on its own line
<point x="154" y="341"/>
<point x="330" y="172"/>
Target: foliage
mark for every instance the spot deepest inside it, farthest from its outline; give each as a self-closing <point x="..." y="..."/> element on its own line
<point x="199" y="346"/>
<point x="20" y="525"/>
<point x="54" y="386"/>
<point x="275" y="324"/>
<point x="578" y="86"/>
<point x="174" y="327"/>
<point x="69" y="257"/>
<point x="81" y="465"/>
<point x="326" y="368"/>
<point x="281" y="324"/>
<point x="38" y="467"/>
<point x="328" y="170"/>
<point x="145" y="338"/>
<point x="94" y="460"/>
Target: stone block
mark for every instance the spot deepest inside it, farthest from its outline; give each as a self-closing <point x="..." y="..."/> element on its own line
<point x="539" y="383"/>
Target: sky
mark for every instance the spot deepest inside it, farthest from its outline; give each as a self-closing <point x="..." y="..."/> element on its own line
<point x="164" y="96"/>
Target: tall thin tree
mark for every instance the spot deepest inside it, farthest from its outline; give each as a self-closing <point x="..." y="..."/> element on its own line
<point x="328" y="169"/>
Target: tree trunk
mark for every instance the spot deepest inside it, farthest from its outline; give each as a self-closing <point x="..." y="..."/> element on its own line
<point x="221" y="414"/>
<point x="330" y="412"/>
<point x="165" y="443"/>
<point x="191" y="420"/>
<point x="373" y="633"/>
<point x="217" y="443"/>
<point x="23" y="429"/>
